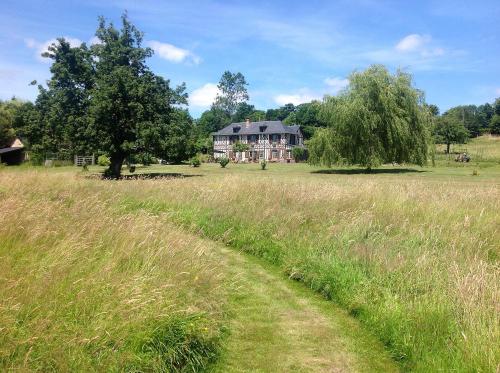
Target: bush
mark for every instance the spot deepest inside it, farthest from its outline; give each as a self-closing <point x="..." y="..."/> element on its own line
<point x="223" y="162"/>
<point x="299" y="154"/>
<point x="263" y="164"/>
<point x="131" y="168"/>
<point x="195" y="161"/>
<point x="103" y="160"/>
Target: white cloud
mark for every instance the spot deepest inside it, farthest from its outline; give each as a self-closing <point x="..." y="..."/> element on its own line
<point x="336" y="84"/>
<point x="172" y="53"/>
<point x="413" y="42"/>
<point x="42" y="47"/>
<point x="203" y="96"/>
<point x="304" y="95"/>
<point x="420" y="44"/>
<point x="497" y="91"/>
<point x="94" y="40"/>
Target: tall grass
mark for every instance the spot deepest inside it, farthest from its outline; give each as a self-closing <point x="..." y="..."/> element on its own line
<point x="84" y="288"/>
<point x="416" y="260"/>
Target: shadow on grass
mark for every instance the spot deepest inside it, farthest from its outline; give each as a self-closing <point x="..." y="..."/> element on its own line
<point x="358" y="171"/>
<point x="143" y="176"/>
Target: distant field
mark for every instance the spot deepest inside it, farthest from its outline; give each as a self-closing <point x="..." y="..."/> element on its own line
<point x="412" y="253"/>
<point x="482" y="149"/>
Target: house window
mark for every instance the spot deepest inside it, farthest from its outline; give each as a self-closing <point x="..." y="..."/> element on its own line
<point x="292" y="140"/>
<point x="261" y="155"/>
<point x="262" y="128"/>
<point x="236" y="129"/>
<point x="274" y="154"/>
<point x="233" y="139"/>
<point x="252" y="139"/>
<point x="275" y="137"/>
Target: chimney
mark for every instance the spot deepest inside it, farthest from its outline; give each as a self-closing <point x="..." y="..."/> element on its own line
<point x="247" y="122"/>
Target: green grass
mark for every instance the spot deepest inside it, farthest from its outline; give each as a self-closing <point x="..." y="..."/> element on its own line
<point x="411" y="252"/>
<point x="89" y="284"/>
<point x="83" y="288"/>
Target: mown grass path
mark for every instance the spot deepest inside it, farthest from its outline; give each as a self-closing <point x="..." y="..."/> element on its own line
<point x="277" y="325"/>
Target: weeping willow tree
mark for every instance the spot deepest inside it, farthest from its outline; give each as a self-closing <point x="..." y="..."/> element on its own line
<point x="379" y="118"/>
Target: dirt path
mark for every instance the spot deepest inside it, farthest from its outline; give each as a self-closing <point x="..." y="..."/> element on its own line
<point x="280" y="326"/>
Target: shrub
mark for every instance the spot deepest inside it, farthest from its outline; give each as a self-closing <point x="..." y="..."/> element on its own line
<point x="223" y="162"/>
<point x="195" y="161"/>
<point x="299" y="154"/>
<point x="131" y="168"/>
<point x="263" y="164"/>
<point x="103" y="160"/>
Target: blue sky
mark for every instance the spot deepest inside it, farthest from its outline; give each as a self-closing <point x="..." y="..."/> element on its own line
<point x="289" y="51"/>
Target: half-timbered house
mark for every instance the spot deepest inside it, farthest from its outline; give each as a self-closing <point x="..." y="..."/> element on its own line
<point x="268" y="140"/>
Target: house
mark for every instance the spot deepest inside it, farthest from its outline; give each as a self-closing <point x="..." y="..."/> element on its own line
<point x="14" y="154"/>
<point x="268" y="140"/>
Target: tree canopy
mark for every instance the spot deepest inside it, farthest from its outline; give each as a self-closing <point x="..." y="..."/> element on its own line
<point x="105" y="98"/>
<point x="448" y="130"/>
<point x="232" y="92"/>
<point x="7" y="114"/>
<point x="379" y="118"/>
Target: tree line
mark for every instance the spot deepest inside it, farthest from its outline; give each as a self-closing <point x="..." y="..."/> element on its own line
<point x="104" y="99"/>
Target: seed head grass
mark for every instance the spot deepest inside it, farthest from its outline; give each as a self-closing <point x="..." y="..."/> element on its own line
<point x="83" y="288"/>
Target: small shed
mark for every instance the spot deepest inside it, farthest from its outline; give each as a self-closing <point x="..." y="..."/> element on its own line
<point x="14" y="154"/>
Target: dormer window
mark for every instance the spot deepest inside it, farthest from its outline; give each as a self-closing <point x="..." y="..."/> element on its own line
<point x="262" y="128"/>
<point x="236" y="129"/>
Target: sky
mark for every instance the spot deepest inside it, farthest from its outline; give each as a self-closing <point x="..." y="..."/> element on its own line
<point x="288" y="51"/>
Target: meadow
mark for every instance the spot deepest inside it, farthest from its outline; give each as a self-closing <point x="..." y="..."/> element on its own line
<point x="410" y="253"/>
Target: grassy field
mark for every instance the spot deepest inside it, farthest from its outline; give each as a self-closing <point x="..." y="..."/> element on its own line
<point x="411" y="253"/>
<point x="87" y="284"/>
<point x="84" y="288"/>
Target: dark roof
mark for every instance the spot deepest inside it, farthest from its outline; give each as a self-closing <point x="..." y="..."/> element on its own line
<point x="253" y="128"/>
<point x="8" y="150"/>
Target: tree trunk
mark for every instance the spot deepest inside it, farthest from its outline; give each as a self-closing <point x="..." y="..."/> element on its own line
<point x="448" y="148"/>
<point x="115" y="167"/>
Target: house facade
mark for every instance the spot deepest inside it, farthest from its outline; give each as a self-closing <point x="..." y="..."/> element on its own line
<point x="268" y="140"/>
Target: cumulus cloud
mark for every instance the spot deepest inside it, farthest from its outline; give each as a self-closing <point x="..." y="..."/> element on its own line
<point x="421" y="44"/>
<point x="203" y="96"/>
<point x="42" y="47"/>
<point x="412" y="42"/>
<point x="172" y="53"/>
<point x="336" y="84"/>
<point x="300" y="97"/>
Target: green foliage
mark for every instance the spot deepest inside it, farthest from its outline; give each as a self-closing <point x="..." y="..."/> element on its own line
<point x="299" y="154"/>
<point x="239" y="147"/>
<point x="378" y="119"/>
<point x="195" y="161"/>
<point x="495" y="124"/>
<point x="263" y="164"/>
<point x="103" y="160"/>
<point x="179" y="344"/>
<point x="280" y="113"/>
<point x="223" y="162"/>
<point x="105" y="98"/>
<point x="7" y="133"/>
<point x="448" y="130"/>
<point x="232" y="92"/>
<point x="213" y="120"/>
<point x="474" y="118"/>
